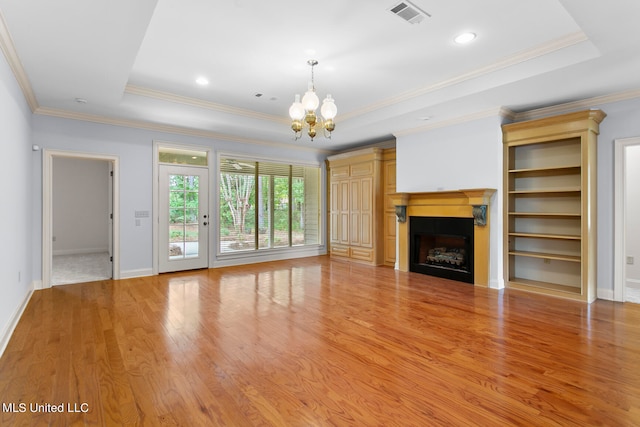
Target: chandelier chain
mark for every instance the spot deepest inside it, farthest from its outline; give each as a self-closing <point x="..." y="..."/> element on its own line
<point x="313" y="63"/>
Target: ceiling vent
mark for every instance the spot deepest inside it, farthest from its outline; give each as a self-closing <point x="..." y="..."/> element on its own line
<point x="409" y="12"/>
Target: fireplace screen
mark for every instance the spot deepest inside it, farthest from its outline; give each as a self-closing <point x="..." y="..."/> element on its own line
<point x="442" y="247"/>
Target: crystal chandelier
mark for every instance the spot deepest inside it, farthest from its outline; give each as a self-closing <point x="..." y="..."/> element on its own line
<point x="303" y="112"/>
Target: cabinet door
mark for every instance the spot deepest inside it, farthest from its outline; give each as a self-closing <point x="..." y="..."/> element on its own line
<point x="343" y="212"/>
<point x="334" y="212"/>
<point x="390" y="239"/>
<point x="366" y="212"/>
<point x="389" y="213"/>
<point x="354" y="212"/>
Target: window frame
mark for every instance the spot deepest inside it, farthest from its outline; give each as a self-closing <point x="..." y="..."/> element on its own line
<point x="317" y="248"/>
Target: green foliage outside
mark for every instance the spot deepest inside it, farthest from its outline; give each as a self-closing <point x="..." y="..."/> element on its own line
<point x="238" y="209"/>
<point x="183" y="208"/>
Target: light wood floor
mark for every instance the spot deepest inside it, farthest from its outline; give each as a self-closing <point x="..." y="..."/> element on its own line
<point x="312" y="342"/>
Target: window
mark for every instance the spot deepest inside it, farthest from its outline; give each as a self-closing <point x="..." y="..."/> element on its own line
<point x="267" y="205"/>
<point x="182" y="156"/>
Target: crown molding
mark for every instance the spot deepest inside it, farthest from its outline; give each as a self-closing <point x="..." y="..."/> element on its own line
<point x="491" y="112"/>
<point x="194" y="102"/>
<point x="9" y="50"/>
<point x="518" y="58"/>
<point x="44" y="111"/>
<point x="569" y="107"/>
<point x="11" y="55"/>
<point x="507" y="114"/>
<point x="538" y="113"/>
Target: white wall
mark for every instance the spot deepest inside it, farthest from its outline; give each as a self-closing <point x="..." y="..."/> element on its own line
<point x="134" y="148"/>
<point x="80" y="205"/>
<point x="16" y="280"/>
<point x="468" y="155"/>
<point x="632" y="197"/>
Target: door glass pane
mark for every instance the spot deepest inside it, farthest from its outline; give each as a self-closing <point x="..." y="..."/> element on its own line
<point x="183" y="216"/>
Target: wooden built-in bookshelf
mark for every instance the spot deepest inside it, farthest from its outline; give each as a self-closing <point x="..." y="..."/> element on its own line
<point x="550" y="204"/>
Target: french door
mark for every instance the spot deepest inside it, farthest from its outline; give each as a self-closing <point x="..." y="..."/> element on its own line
<point x="184" y="218"/>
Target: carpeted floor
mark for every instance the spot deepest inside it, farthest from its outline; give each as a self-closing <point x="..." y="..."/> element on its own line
<point x="80" y="268"/>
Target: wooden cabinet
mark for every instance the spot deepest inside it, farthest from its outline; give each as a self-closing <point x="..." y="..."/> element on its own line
<point x="389" y="215"/>
<point x="550" y="205"/>
<point x="355" y="211"/>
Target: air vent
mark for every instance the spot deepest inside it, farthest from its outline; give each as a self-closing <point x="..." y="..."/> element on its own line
<point x="409" y="12"/>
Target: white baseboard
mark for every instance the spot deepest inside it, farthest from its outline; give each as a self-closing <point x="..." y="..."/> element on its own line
<point x="130" y="274"/>
<point x="496" y="284"/>
<point x="605" y="294"/>
<point x="13" y="320"/>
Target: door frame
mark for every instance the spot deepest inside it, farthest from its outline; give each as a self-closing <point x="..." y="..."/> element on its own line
<point x="620" y="220"/>
<point x="47" y="208"/>
<point x="157" y="144"/>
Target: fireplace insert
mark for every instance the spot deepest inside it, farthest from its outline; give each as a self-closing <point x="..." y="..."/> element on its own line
<point x="442" y="247"/>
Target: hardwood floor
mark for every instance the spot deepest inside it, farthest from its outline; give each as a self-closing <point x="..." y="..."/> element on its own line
<point x="314" y="342"/>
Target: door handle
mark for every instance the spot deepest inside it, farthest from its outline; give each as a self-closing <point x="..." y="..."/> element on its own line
<point x="205" y="223"/>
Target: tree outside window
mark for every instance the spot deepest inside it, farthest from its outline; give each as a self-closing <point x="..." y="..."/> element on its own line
<point x="283" y="208"/>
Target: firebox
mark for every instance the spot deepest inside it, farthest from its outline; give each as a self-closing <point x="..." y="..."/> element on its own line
<point x="442" y="247"/>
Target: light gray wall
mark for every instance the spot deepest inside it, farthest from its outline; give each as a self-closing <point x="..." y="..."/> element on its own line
<point x="468" y="155"/>
<point x="80" y="205"/>
<point x="632" y="214"/>
<point x="134" y="148"/>
<point x="622" y="121"/>
<point x="16" y="208"/>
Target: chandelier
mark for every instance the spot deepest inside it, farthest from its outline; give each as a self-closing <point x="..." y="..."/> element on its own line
<point x="303" y="112"/>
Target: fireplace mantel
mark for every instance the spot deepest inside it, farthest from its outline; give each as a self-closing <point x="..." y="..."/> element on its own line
<point x="465" y="203"/>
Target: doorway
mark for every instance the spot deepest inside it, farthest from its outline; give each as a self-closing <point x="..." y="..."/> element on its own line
<point x="627" y="221"/>
<point x="80" y="222"/>
<point x="183" y="218"/>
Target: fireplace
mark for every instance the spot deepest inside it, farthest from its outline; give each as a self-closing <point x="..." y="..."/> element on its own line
<point x="470" y="205"/>
<point x="442" y="247"/>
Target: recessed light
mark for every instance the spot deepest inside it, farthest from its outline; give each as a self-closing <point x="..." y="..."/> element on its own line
<point x="202" y="81"/>
<point x="465" y="38"/>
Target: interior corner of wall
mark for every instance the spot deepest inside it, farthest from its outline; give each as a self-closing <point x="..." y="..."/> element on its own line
<point x="496" y="284"/>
